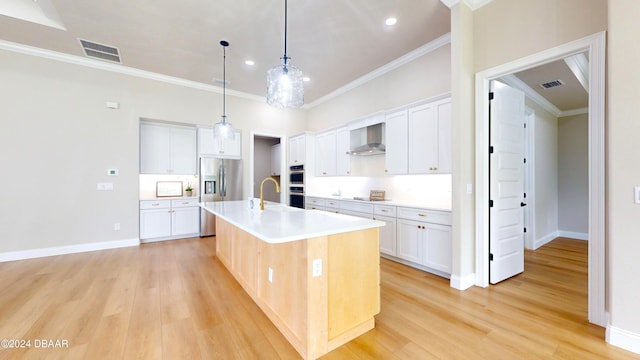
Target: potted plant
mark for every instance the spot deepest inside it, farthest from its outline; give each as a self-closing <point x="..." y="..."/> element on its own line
<point x="188" y="190"/>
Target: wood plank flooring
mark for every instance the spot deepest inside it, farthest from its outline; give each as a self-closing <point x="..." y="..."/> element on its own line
<point x="175" y="300"/>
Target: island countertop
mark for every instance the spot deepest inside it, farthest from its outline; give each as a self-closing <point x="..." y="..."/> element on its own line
<point x="279" y="223"/>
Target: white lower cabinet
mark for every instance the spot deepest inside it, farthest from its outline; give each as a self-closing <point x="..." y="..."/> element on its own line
<point x="169" y="219"/>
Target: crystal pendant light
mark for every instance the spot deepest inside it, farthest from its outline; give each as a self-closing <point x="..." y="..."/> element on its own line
<point x="223" y="129"/>
<point x="285" y="86"/>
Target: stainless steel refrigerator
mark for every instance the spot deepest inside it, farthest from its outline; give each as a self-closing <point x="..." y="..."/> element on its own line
<point x="220" y="180"/>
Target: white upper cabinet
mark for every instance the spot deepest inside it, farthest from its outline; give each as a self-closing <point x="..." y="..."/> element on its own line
<point x="430" y="138"/>
<point x="343" y="158"/>
<point x="275" y="160"/>
<point x="396" y="143"/>
<point x="220" y="148"/>
<point x="167" y="149"/>
<point x="297" y="150"/>
<point x="418" y="140"/>
<point x="326" y="153"/>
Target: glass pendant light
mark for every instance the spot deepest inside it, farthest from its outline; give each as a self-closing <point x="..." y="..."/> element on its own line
<point x="285" y="85"/>
<point x="223" y="129"/>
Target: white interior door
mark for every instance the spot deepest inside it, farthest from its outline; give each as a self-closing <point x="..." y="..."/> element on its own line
<point x="506" y="189"/>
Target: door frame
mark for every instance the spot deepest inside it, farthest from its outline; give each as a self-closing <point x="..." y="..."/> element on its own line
<point x="595" y="45"/>
<point x="283" y="178"/>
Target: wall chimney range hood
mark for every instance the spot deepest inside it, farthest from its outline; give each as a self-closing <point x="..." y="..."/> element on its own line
<point x="368" y="140"/>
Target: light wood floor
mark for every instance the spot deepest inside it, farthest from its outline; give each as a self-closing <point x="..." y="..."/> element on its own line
<point x="174" y="300"/>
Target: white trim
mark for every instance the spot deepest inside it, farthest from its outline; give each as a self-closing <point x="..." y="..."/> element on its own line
<point x="574" y="112"/>
<point x="284" y="178"/>
<point x="472" y="4"/>
<point x="515" y="82"/>
<point x="595" y="44"/>
<point x="530" y="153"/>
<point x="573" y="235"/>
<point x="462" y="283"/>
<point x="579" y="66"/>
<point x="69" y="249"/>
<point x="120" y="69"/>
<point x="623" y="339"/>
<point x="421" y="51"/>
<point x="545" y="240"/>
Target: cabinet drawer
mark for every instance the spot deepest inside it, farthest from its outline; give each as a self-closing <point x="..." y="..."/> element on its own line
<point x="332" y="204"/>
<point x="177" y="203"/>
<point x="314" y="201"/>
<point x="155" y="204"/>
<point x="432" y="216"/>
<point x="356" y="206"/>
<point x="384" y="210"/>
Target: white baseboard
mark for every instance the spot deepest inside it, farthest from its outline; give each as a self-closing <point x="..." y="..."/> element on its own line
<point x="573" y="235"/>
<point x="623" y="339"/>
<point x="545" y="239"/>
<point x="63" y="250"/>
<point x="463" y="282"/>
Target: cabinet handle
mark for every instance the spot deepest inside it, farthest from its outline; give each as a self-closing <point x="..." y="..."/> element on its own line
<point x="221" y="151"/>
<point x="185" y="203"/>
<point x="155" y="204"/>
<point x="324" y="173"/>
<point x="385" y="170"/>
<point x="423" y="215"/>
<point x="384" y="210"/>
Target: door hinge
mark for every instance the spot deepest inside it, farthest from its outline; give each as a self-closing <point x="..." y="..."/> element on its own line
<point x="525" y="195"/>
<point x="491" y="95"/>
<point x="490" y="257"/>
<point x="525" y="160"/>
<point x="490" y="203"/>
<point x="490" y="149"/>
<point x="525" y="229"/>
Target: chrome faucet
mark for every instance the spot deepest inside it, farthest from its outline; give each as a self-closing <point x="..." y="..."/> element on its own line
<point x="262" y="185"/>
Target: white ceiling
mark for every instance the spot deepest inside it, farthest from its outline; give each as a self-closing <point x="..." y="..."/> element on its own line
<point x="332" y="42"/>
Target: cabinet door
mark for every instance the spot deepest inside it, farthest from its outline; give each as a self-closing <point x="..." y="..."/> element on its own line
<point x="155" y="149"/>
<point x="423" y="139"/>
<point x="396" y="143"/>
<point x="228" y="148"/>
<point x="275" y="160"/>
<point x="343" y="158"/>
<point x="155" y="223"/>
<point x="205" y="141"/>
<point x="297" y="147"/>
<point x="444" y="136"/>
<point x="183" y="151"/>
<point x="436" y="252"/>
<point x="185" y="220"/>
<point x="409" y="240"/>
<point x="387" y="235"/>
<point x="326" y="154"/>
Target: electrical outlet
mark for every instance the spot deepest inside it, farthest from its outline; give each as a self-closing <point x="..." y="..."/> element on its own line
<point x="317" y="267"/>
<point x="116" y="226"/>
<point x="270" y="275"/>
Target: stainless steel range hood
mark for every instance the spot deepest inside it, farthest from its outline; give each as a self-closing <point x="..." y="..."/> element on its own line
<point x="368" y="140"/>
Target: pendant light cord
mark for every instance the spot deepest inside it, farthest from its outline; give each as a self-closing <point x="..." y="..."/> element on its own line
<point x="224" y="80"/>
<point x="285" y="33"/>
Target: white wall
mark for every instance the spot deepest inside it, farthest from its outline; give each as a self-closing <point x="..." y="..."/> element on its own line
<point x="573" y="174"/>
<point x="262" y="168"/>
<point x="546" y="174"/>
<point x="623" y="172"/>
<point x="57" y="140"/>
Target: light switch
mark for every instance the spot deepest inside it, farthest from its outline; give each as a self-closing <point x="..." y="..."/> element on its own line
<point x="636" y="194"/>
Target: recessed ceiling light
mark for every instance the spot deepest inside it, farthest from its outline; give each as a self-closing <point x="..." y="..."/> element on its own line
<point x="391" y="21"/>
<point x="306" y="79"/>
<point x="249" y="62"/>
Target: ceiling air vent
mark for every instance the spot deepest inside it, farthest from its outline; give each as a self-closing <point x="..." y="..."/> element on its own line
<point x="550" y="84"/>
<point x="99" y="51"/>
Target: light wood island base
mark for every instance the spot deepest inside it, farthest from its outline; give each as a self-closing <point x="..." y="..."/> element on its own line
<point x="316" y="314"/>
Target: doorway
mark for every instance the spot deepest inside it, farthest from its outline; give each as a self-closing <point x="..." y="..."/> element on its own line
<point x="595" y="46"/>
<point x="267" y="152"/>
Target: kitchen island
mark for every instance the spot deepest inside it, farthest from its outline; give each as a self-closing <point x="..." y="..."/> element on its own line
<point x="315" y="274"/>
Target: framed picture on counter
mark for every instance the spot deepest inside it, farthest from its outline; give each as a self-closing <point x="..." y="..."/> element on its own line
<point x="168" y="188"/>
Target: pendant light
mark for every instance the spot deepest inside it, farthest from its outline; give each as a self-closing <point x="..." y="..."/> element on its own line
<point x="223" y="129"/>
<point x="285" y="87"/>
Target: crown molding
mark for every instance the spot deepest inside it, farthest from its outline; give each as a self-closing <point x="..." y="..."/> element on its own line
<point x="120" y="69"/>
<point x="472" y="4"/>
<point x="410" y="56"/>
<point x="581" y="111"/>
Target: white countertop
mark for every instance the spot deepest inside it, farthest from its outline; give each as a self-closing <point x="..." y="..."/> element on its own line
<point x="279" y="223"/>
<point x="430" y="206"/>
